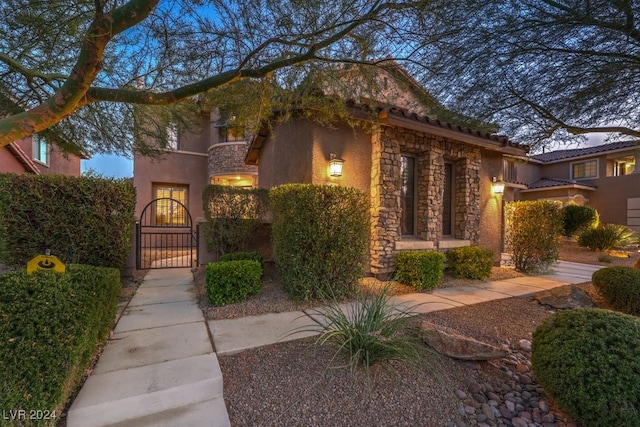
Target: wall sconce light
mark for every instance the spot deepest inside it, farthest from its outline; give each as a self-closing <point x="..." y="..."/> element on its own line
<point x="335" y="165"/>
<point x="497" y="186"/>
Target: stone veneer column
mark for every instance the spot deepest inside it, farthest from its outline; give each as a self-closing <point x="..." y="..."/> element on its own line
<point x="432" y="189"/>
<point x="385" y="201"/>
<point x="467" y="204"/>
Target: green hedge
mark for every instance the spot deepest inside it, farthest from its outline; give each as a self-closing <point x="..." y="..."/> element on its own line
<point x="532" y="231"/>
<point x="470" y="262"/>
<point x="82" y="220"/>
<point x="605" y="237"/>
<point x="420" y="269"/>
<point x="576" y="219"/>
<point x="320" y="235"/>
<point x="232" y="216"/>
<point x="50" y="326"/>
<point x="587" y="361"/>
<point x="232" y="281"/>
<point x="620" y="287"/>
<point x="238" y="256"/>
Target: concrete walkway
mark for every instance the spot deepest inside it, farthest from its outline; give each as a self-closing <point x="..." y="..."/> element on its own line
<point x="160" y="368"/>
<point x="235" y="335"/>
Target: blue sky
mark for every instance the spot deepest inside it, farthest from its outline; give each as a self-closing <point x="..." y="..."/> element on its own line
<point x="109" y="165"/>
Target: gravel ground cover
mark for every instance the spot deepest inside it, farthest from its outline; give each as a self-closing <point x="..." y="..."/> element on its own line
<point x="302" y="383"/>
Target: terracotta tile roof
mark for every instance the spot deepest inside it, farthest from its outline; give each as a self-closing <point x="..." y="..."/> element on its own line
<point x="501" y="139"/>
<point x="555" y="182"/>
<point x="554" y="156"/>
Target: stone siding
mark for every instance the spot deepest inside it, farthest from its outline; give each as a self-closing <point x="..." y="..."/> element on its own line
<point x="228" y="158"/>
<point x="431" y="152"/>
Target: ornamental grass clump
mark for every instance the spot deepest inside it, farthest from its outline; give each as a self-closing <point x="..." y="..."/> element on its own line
<point x="605" y="237"/>
<point x="587" y="361"/>
<point x="372" y="330"/>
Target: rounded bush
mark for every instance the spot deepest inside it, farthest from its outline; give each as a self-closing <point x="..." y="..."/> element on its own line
<point x="470" y="262"/>
<point x="421" y="269"/>
<point x="587" y="361"/>
<point x="620" y="287"/>
<point x="576" y="219"/>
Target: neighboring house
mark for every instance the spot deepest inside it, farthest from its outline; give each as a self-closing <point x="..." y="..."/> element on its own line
<point x="604" y="177"/>
<point x="35" y="155"/>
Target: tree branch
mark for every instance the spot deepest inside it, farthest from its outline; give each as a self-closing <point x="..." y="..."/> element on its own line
<point x="72" y="93"/>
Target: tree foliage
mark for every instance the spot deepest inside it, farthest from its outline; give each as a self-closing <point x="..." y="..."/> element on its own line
<point x="542" y="68"/>
<point x="73" y="69"/>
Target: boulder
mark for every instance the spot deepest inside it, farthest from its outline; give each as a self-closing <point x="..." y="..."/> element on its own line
<point x="458" y="346"/>
<point x="564" y="297"/>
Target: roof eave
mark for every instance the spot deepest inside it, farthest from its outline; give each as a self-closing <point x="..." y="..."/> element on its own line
<point x="409" y="123"/>
<point x="559" y="187"/>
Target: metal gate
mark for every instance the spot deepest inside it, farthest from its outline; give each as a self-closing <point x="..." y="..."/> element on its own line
<point x="165" y="236"/>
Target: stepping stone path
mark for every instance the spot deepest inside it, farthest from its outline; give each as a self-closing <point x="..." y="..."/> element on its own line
<point x="515" y="401"/>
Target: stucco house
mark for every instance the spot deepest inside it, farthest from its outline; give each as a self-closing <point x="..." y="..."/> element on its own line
<point x="35" y="155"/>
<point x="604" y="177"/>
<point x="430" y="181"/>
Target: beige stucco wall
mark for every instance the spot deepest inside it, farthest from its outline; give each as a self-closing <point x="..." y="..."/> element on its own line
<point x="492" y="205"/>
<point x="58" y="163"/>
<point x="175" y="168"/>
<point x="291" y="140"/>
<point x="610" y="199"/>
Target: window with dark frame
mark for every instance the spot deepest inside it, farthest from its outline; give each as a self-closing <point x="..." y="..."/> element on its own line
<point x="584" y="170"/>
<point x="407" y="195"/>
<point x="447" y="200"/>
<point x="169" y="212"/>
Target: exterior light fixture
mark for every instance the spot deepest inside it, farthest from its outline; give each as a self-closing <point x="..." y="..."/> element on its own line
<point x="497" y="185"/>
<point x="335" y="165"/>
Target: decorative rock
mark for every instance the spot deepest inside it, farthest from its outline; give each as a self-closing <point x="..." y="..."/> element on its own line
<point x="524" y="345"/>
<point x="543" y="406"/>
<point x="564" y="297"/>
<point x="548" y="418"/>
<point x="481" y="418"/>
<point x="474" y="387"/>
<point x="469" y="410"/>
<point x="480" y="398"/>
<point x="491" y="395"/>
<point x="522" y="368"/>
<point x="488" y="412"/>
<point x="461" y="394"/>
<point x="510" y="406"/>
<point x="526" y="415"/>
<point x="519" y="422"/>
<point x="505" y="413"/>
<point x="458" y="346"/>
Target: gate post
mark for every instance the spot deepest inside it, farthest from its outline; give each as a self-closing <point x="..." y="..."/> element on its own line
<point x="138" y="246"/>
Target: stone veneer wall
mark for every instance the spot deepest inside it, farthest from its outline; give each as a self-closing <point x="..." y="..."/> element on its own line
<point x="228" y="158"/>
<point x="431" y="153"/>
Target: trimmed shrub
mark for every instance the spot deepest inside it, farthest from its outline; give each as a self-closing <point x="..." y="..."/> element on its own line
<point x="532" y="229"/>
<point x="232" y="216"/>
<point x="51" y="325"/>
<point x="83" y="220"/>
<point x="238" y="256"/>
<point x="470" y="262"/>
<point x="576" y="219"/>
<point x="620" y="287"/>
<point x="587" y="361"/>
<point x="420" y="269"/>
<point x="320" y="235"/>
<point x="232" y="281"/>
<point x="605" y="237"/>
